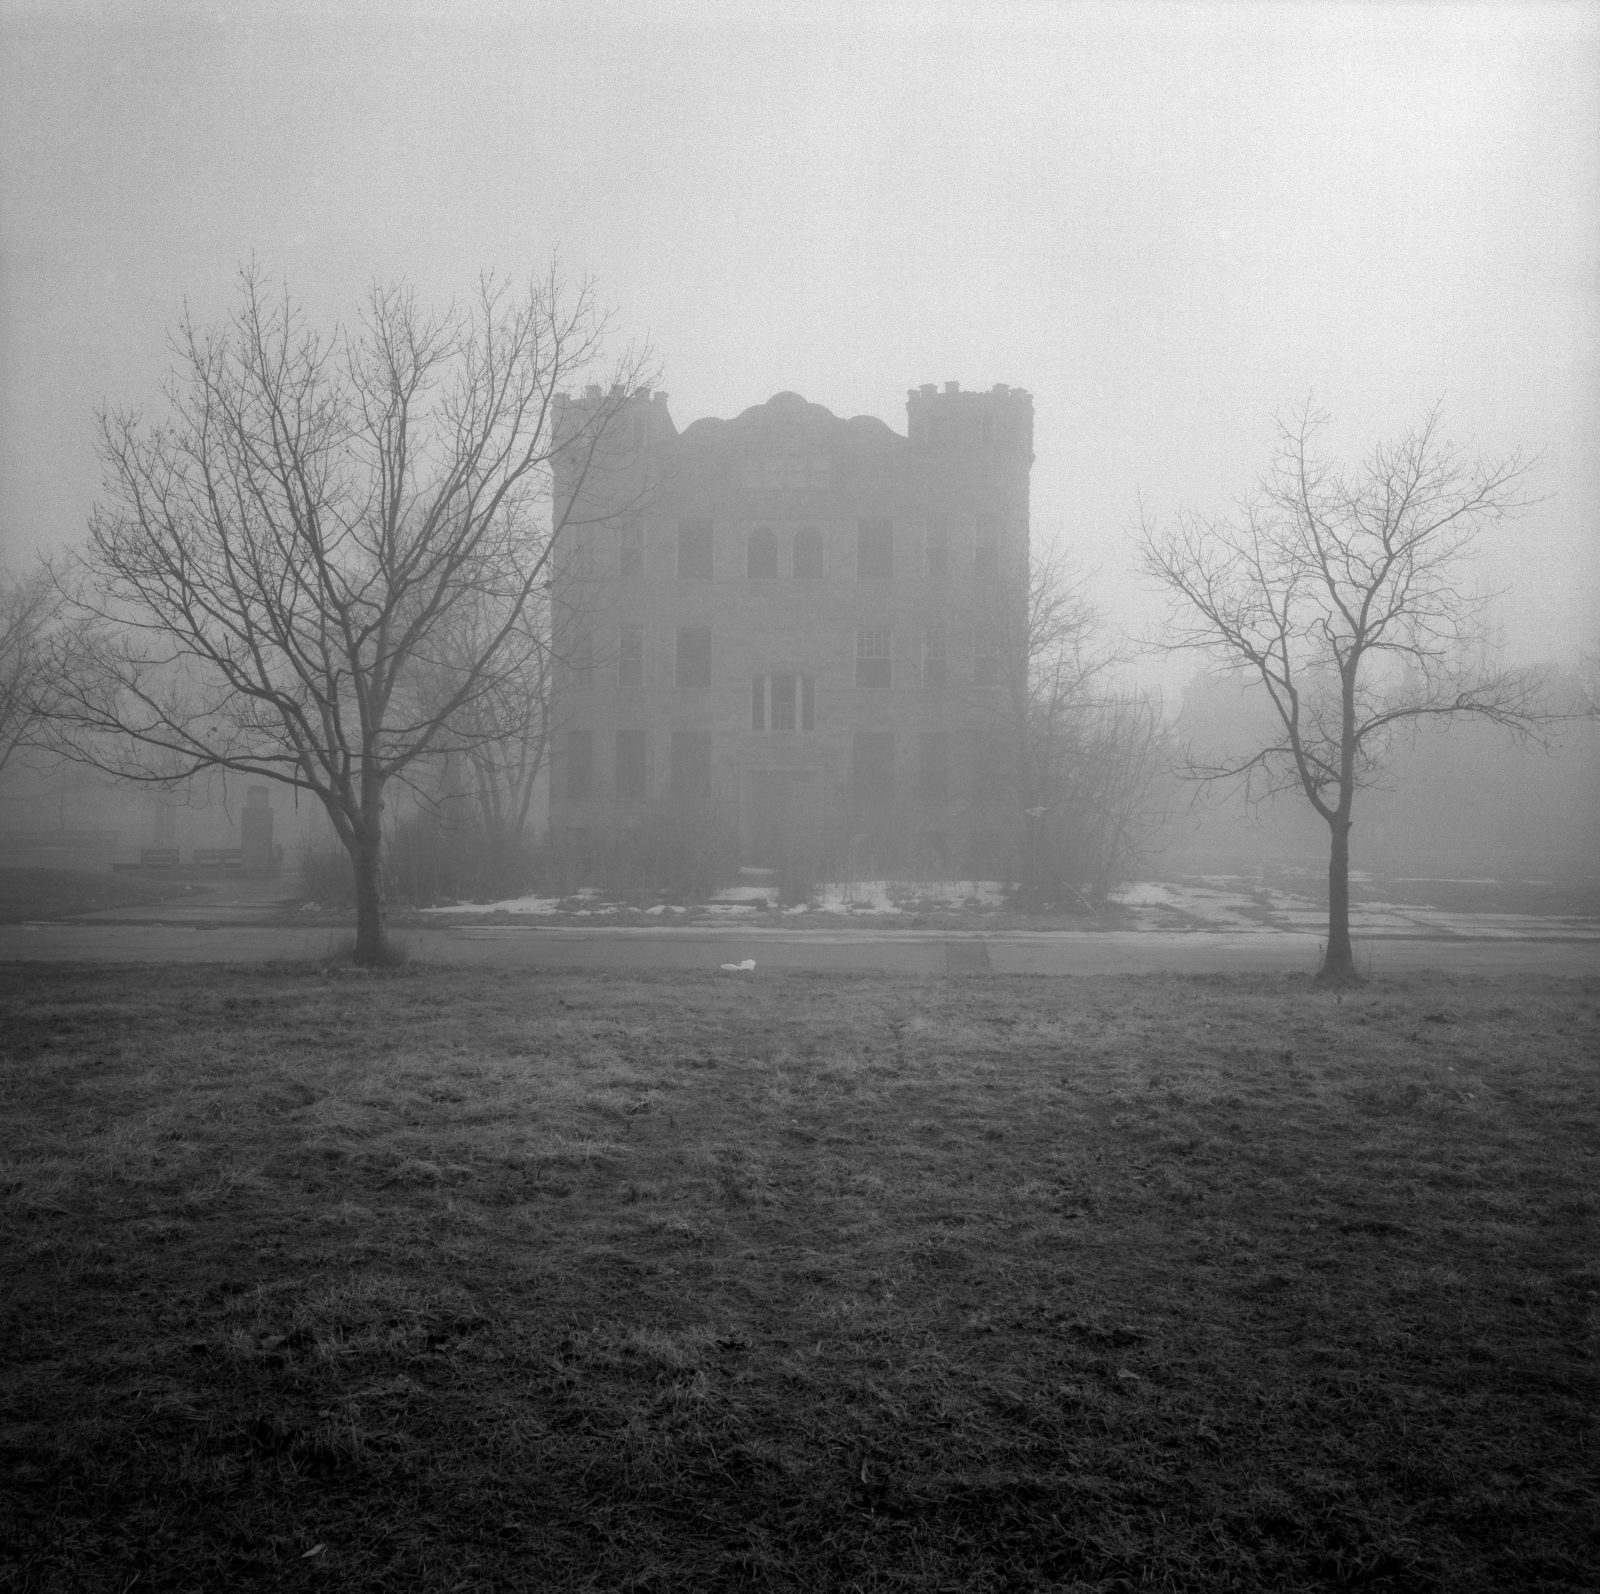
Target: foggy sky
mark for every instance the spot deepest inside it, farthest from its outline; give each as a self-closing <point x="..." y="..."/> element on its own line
<point x="1165" y="221"/>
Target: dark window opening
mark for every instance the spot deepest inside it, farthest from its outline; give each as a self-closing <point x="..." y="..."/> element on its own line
<point x="938" y="548"/>
<point x="935" y="658"/>
<point x="630" y="656"/>
<point x="630" y="766"/>
<point x="874" y="668"/>
<point x="784" y="705"/>
<point x="694" y="656"/>
<point x="630" y="550"/>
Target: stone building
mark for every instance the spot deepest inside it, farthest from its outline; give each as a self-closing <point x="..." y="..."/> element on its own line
<point x="787" y="624"/>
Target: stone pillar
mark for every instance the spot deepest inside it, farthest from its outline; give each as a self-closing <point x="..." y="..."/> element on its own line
<point x="255" y="833"/>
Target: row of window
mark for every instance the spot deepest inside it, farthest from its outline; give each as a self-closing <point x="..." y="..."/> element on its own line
<point x="791" y="473"/>
<point x="801" y="554"/>
<point x="874" y="664"/>
<point x="872" y="765"/>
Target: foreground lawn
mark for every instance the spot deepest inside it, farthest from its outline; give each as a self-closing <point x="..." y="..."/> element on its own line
<point x="468" y="1280"/>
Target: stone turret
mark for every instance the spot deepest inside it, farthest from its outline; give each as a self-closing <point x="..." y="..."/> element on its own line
<point x="998" y="423"/>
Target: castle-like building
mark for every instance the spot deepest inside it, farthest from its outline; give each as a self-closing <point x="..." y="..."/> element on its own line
<point x="792" y="626"/>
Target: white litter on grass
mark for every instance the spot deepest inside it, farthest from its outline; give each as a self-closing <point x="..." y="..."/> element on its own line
<point x="747" y="967"/>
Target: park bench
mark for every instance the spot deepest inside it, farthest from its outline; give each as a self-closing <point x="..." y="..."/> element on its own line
<point x="219" y="859"/>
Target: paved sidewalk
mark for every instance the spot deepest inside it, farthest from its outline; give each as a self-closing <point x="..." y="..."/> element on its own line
<point x="1065" y="952"/>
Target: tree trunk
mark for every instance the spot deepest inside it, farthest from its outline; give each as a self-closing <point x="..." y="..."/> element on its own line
<point x="372" y="943"/>
<point x="1338" y="963"/>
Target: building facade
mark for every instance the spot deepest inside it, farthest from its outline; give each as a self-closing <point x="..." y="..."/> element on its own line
<point x="788" y="624"/>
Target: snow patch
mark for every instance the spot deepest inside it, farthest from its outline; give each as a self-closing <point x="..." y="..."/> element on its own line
<point x="505" y="905"/>
<point x="906" y="896"/>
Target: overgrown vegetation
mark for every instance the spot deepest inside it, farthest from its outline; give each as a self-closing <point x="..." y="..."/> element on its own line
<point x="426" y="862"/>
<point x="1079" y="755"/>
<point x="676" y="852"/>
<point x="467" y="1280"/>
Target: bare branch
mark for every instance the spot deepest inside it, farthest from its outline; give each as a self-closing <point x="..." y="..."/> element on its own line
<point x="28" y="610"/>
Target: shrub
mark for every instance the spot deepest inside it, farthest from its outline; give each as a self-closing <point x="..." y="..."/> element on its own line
<point x="327" y="875"/>
<point x="680" y="852"/>
<point x="425" y="859"/>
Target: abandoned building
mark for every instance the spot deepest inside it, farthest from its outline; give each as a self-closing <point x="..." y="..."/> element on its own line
<point x="789" y="626"/>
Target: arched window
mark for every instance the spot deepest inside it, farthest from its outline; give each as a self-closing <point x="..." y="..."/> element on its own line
<point x="808" y="554"/>
<point x="761" y="559"/>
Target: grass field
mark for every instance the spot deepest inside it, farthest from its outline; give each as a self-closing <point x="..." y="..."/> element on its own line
<point x="55" y="893"/>
<point x="447" y="1279"/>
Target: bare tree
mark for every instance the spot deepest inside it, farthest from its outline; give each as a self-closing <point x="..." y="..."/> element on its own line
<point x="282" y="564"/>
<point x="1342" y="594"/>
<point x="28" y="608"/>
<point x="1085" y="753"/>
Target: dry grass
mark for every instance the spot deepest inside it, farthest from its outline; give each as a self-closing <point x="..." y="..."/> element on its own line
<point x="57" y="893"/>
<point x="448" y="1279"/>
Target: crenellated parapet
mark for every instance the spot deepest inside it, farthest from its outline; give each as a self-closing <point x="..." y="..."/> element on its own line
<point x="997" y="422"/>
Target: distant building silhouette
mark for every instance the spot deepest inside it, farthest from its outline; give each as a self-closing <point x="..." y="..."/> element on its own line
<point x="783" y="624"/>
